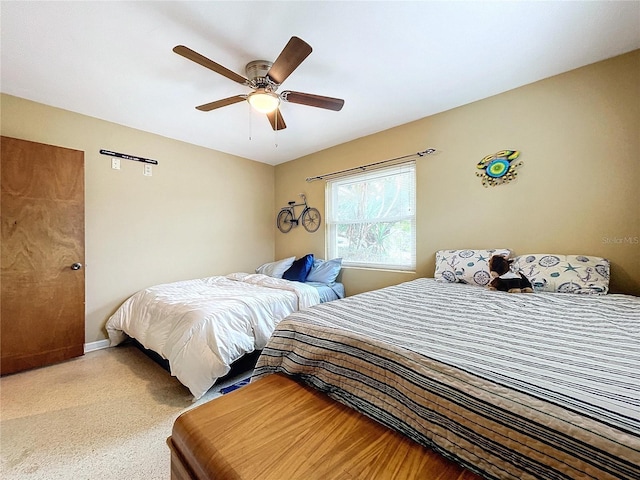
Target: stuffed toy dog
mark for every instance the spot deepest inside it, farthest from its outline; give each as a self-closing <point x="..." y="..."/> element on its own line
<point x="504" y="279"/>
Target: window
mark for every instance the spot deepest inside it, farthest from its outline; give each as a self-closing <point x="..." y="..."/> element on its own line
<point x="371" y="218"/>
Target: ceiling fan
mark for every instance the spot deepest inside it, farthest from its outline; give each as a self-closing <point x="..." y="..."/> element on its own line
<point x="265" y="78"/>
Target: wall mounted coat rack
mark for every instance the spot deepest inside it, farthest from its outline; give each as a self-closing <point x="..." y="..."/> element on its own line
<point x="128" y="157"/>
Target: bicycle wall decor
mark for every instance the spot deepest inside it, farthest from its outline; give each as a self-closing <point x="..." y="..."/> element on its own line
<point x="287" y="219"/>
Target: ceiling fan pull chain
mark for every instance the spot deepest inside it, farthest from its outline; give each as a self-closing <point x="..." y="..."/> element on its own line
<point x="250" y="124"/>
<point x="275" y="133"/>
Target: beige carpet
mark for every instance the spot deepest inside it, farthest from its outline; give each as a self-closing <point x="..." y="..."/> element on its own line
<point x="105" y="415"/>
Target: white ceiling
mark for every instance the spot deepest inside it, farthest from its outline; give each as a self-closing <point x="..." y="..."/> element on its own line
<point x="392" y="62"/>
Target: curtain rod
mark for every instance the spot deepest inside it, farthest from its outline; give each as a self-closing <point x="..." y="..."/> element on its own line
<point x="362" y="168"/>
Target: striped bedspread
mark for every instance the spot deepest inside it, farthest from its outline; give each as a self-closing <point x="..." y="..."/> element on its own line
<point x="512" y="386"/>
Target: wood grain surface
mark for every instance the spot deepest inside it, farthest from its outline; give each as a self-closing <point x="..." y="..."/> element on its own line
<point x="276" y="429"/>
<point x="42" y="211"/>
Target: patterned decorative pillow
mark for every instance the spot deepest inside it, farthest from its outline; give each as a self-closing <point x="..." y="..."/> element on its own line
<point x="565" y="273"/>
<point x="466" y="266"/>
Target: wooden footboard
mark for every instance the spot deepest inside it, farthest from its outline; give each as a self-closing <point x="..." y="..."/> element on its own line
<point x="276" y="428"/>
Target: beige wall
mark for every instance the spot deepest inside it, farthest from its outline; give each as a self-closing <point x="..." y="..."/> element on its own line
<point x="180" y="223"/>
<point x="577" y="192"/>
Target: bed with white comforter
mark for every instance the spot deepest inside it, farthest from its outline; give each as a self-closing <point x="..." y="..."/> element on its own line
<point x="201" y="326"/>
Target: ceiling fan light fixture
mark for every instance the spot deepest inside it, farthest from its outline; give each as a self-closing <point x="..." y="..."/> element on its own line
<point x="263" y="101"/>
<point x="264" y="78"/>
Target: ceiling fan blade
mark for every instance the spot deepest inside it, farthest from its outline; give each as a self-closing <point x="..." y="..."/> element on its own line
<point x="276" y="120"/>
<point x="210" y="64"/>
<point x="289" y="59"/>
<point x="207" y="107"/>
<point x="311" y="100"/>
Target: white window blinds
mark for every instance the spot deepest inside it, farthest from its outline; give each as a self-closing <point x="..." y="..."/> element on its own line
<point x="371" y="218"/>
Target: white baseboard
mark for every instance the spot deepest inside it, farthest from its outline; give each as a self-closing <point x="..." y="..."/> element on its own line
<point x="100" y="344"/>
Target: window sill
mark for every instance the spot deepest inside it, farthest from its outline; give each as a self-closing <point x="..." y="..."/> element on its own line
<point x="379" y="269"/>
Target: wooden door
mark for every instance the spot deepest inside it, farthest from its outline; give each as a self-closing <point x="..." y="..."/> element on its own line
<point x="41" y="296"/>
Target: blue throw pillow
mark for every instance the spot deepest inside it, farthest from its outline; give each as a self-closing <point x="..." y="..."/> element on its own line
<point x="325" y="272"/>
<point x="300" y="269"/>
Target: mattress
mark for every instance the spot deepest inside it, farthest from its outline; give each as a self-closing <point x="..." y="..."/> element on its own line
<point x="511" y="386"/>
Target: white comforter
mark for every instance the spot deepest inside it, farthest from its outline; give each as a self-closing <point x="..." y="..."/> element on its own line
<point x="202" y="326"/>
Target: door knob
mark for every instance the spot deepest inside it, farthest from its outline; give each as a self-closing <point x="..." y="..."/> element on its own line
<point x="76" y="266"/>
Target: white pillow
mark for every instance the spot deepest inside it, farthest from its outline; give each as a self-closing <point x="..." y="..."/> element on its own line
<point x="466" y="266"/>
<point x="276" y="269"/>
